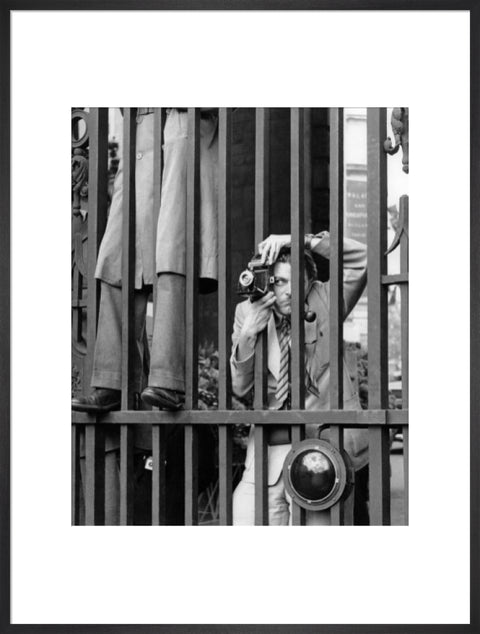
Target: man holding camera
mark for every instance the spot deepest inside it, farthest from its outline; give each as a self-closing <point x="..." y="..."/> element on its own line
<point x="272" y="313"/>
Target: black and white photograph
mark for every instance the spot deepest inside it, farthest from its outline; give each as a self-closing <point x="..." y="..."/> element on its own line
<point x="239" y="320"/>
<point x="240" y="316"/>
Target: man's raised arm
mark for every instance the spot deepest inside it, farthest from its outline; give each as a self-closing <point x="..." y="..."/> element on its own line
<point x="354" y="260"/>
<point x="354" y="266"/>
<point x="250" y="319"/>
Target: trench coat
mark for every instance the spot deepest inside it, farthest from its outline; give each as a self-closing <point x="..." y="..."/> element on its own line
<point x="317" y="362"/>
<point x="168" y="254"/>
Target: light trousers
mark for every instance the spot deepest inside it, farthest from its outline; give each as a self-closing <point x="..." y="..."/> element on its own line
<point x="167" y="358"/>
<point x="279" y="506"/>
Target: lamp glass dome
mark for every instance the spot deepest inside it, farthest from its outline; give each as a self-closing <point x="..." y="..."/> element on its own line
<point x="313" y="475"/>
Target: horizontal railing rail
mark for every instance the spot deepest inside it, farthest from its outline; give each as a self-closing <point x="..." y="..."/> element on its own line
<point x="348" y="418"/>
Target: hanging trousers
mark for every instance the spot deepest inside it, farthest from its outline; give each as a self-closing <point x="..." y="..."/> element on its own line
<point x="167" y="359"/>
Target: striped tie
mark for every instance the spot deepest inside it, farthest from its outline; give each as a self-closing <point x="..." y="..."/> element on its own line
<point x="284" y="341"/>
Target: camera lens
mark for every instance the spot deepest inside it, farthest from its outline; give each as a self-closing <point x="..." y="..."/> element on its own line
<point x="246" y="278"/>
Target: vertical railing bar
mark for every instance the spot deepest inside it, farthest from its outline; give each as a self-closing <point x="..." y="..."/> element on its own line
<point x="297" y="222"/>
<point x="192" y="257"/>
<point x="404" y="299"/>
<point x="225" y="456"/>
<point x="191" y="475"/>
<point x="97" y="217"/>
<point x="379" y="476"/>
<point x="158" y="127"/>
<point x="337" y="511"/>
<point x="377" y="318"/>
<point x="128" y="318"/>
<point x="307" y="169"/>
<point x="126" y="475"/>
<point x="262" y="171"/>
<point x="224" y="253"/>
<point x="94" y="475"/>
<point x="261" y="476"/>
<point x="76" y="476"/>
<point x="377" y="219"/>
<point x="336" y="178"/>
<point x="191" y="364"/>
<point x="297" y="229"/>
<point x="336" y="258"/>
<point x="405" y="473"/>
<point x="128" y="257"/>
<point x="159" y="489"/>
<point x="298" y="513"/>
<point x="224" y="313"/>
<point x="404" y="342"/>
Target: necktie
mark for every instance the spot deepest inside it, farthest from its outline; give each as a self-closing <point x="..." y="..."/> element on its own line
<point x="284" y="341"/>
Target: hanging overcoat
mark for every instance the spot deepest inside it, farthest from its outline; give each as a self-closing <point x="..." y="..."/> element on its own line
<point x="168" y="254"/>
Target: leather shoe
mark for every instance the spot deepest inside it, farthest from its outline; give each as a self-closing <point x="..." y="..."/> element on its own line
<point x="100" y="400"/>
<point x="163" y="398"/>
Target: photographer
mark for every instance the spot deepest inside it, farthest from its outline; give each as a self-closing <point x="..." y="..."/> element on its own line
<point x="272" y="312"/>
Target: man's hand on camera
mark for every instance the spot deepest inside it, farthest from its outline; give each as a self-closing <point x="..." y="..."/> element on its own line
<point x="258" y="315"/>
<point x="270" y="247"/>
<point x="256" y="320"/>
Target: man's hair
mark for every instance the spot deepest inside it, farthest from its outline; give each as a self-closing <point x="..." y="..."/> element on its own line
<point x="285" y="255"/>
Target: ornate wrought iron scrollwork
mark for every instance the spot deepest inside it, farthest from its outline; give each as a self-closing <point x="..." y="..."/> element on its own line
<point x="399" y="123"/>
<point x="80" y="132"/>
<point x="400" y="225"/>
<point x="77" y="387"/>
<point x="79" y="179"/>
<point x="80" y="138"/>
<point x="79" y="166"/>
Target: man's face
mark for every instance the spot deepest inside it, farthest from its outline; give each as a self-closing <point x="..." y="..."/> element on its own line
<point x="282" y="288"/>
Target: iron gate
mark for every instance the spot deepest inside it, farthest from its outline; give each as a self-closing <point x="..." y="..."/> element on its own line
<point x="378" y="417"/>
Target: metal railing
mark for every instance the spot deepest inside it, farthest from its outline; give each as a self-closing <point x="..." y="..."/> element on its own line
<point x="378" y="418"/>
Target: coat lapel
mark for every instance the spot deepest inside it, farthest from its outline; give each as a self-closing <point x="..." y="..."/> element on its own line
<point x="311" y="332"/>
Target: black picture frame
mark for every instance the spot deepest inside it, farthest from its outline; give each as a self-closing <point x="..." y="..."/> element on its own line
<point x="5" y="386"/>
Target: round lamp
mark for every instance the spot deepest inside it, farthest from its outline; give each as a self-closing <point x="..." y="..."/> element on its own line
<point x="316" y="474"/>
